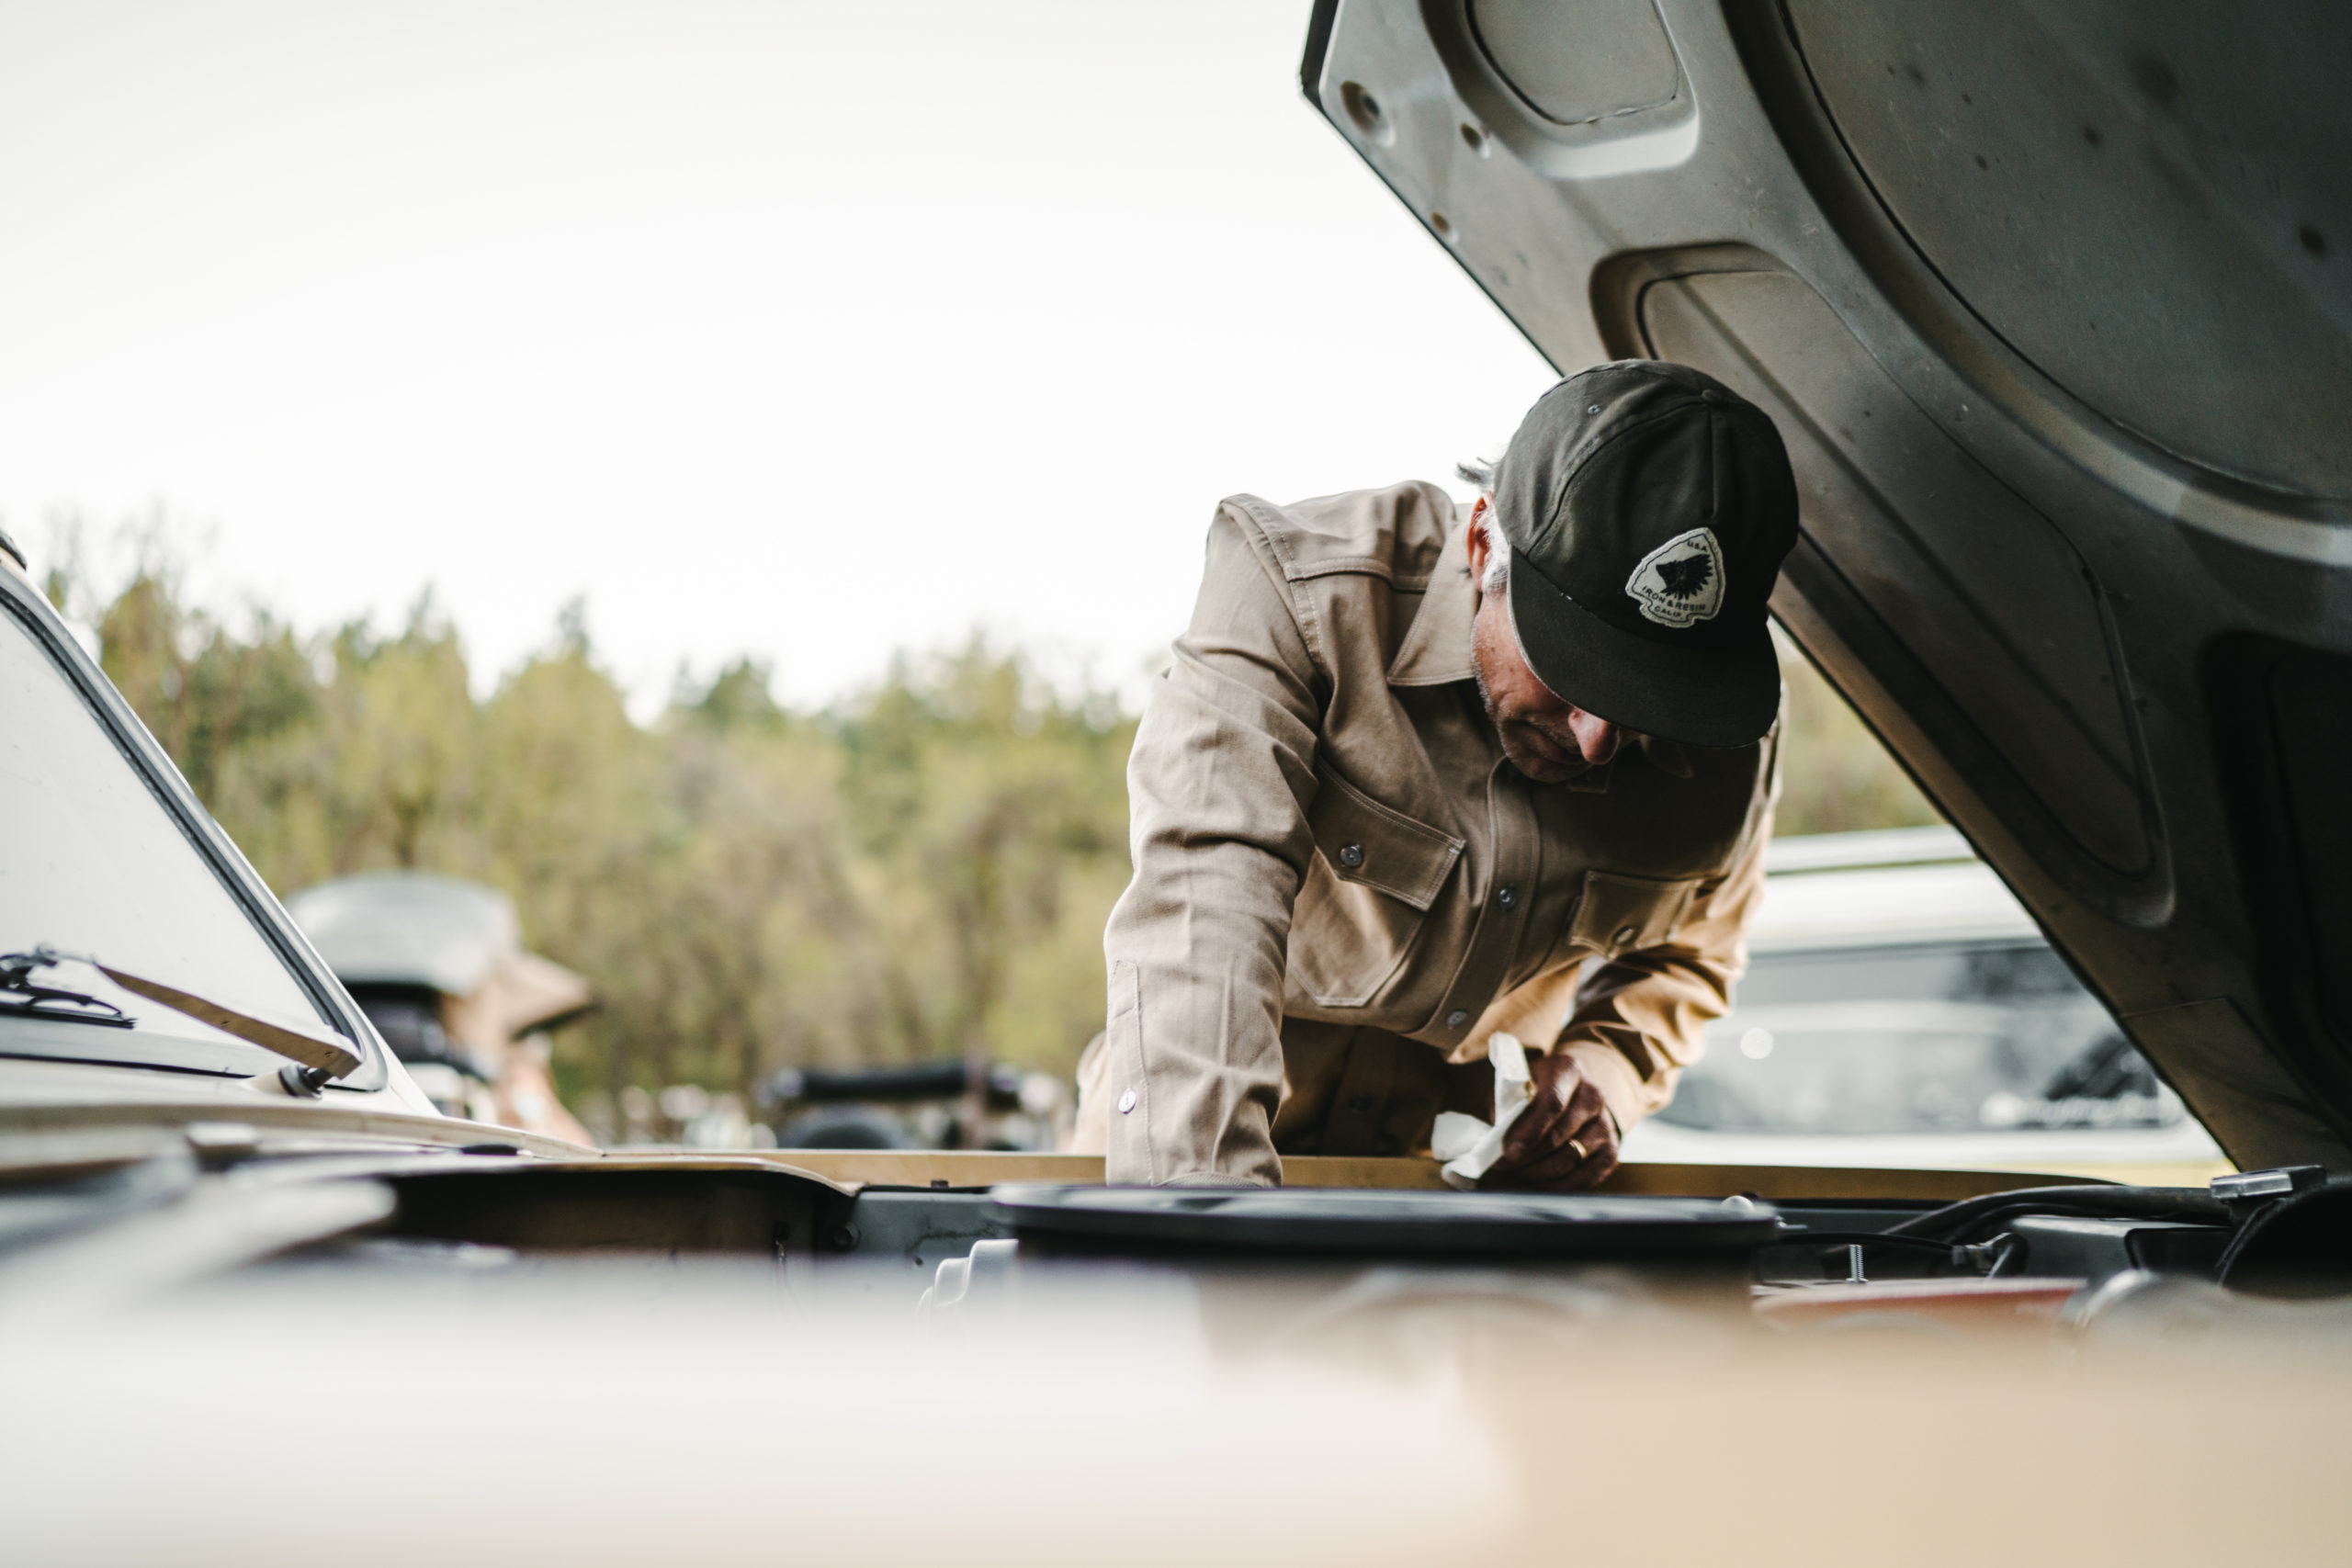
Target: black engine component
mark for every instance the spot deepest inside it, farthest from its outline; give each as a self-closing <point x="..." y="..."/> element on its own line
<point x="2298" y="1247"/>
<point x="1292" y="1222"/>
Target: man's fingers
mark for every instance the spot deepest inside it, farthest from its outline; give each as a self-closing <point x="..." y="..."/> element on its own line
<point x="1570" y="1152"/>
<point x="1564" y="1139"/>
<point x="1589" y="1170"/>
<point x="1534" y="1131"/>
<point x="1579" y="1149"/>
<point x="1529" y="1136"/>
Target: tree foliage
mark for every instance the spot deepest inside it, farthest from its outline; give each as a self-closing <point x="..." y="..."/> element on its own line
<point x="1835" y="777"/>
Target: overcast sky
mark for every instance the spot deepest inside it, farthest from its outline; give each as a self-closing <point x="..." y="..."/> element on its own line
<point x="808" y="330"/>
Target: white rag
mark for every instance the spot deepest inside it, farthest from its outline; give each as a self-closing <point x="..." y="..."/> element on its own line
<point x="1470" y="1147"/>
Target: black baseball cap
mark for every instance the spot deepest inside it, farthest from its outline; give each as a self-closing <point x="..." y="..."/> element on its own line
<point x="1648" y="508"/>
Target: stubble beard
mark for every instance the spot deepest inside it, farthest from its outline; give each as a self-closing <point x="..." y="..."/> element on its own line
<point x="1532" y="767"/>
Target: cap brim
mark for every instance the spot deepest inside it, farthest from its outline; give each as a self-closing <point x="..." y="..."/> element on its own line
<point x="1696" y="697"/>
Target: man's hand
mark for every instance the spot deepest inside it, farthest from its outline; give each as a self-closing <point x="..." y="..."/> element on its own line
<point x="1564" y="1140"/>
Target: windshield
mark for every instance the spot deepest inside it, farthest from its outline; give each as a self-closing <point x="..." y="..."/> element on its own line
<point x="93" y="862"/>
<point x="1959" y="1037"/>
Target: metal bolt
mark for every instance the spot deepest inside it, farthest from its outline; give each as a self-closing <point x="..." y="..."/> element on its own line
<point x="844" y="1238"/>
<point x="1352" y="855"/>
<point x="1506" y="896"/>
<point x="303" y="1082"/>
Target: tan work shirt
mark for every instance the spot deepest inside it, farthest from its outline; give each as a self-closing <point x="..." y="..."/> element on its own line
<point x="1331" y="851"/>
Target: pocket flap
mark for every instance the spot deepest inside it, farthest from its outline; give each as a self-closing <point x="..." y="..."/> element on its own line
<point x="1623" y="914"/>
<point x="1383" y="848"/>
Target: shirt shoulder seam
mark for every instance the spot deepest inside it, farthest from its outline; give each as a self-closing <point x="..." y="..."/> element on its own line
<point x="1302" y="608"/>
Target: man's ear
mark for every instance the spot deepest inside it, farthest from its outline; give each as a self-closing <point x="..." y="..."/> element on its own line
<point x="1477" y="541"/>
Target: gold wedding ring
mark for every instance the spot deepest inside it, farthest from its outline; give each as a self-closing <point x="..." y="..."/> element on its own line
<point x="1582" y="1154"/>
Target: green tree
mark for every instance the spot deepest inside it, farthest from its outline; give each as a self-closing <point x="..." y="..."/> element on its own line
<point x="1835" y="775"/>
<point x="997" y="809"/>
<point x="381" y="772"/>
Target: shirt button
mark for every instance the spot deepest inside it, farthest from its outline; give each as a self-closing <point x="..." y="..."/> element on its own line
<point x="1624" y="934"/>
<point x="1127" y="1101"/>
<point x="1456" y="1018"/>
<point x="1506" y="896"/>
<point x="1352" y="855"/>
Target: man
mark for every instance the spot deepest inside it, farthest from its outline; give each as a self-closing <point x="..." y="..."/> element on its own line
<point x="1411" y="781"/>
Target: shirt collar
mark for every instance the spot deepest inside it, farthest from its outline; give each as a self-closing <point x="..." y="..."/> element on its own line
<point x="1436" y="646"/>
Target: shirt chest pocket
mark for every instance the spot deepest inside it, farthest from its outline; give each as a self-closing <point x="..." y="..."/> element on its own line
<point x="1624" y="914"/>
<point x="1374" y="875"/>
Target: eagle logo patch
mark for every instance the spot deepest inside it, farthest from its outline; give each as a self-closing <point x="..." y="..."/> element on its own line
<point x="1681" y="582"/>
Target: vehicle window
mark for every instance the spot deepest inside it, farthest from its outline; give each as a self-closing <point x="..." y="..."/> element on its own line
<point x="91" y="863"/>
<point x="1992" y="1037"/>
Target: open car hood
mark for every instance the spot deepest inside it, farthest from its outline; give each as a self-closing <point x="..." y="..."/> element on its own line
<point x="2053" y="305"/>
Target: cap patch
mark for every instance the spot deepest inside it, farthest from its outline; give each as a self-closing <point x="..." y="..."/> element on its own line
<point x="1681" y="582"/>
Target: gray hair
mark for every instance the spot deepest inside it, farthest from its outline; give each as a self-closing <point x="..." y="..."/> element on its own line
<point x="1497" y="576"/>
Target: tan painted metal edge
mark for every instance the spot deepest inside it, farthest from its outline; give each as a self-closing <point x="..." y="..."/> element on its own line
<point x="970" y="1169"/>
<point x="1793" y="1182"/>
<point x="96" y="1136"/>
<point x="39" y="1132"/>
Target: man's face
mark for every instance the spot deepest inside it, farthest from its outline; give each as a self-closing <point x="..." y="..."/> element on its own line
<point x="1544" y="736"/>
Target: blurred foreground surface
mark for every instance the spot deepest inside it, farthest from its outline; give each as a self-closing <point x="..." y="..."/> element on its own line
<point x="466" y="1404"/>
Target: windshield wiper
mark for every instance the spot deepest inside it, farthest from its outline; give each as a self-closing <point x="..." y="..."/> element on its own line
<point x="51" y="1001"/>
<point x="329" y="1055"/>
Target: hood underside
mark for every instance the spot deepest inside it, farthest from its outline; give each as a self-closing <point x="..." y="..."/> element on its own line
<point x="2053" y="308"/>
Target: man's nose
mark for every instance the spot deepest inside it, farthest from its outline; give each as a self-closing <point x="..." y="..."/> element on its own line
<point x="1595" y="736"/>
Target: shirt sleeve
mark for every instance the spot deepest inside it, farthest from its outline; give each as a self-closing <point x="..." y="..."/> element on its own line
<point x="1218" y="787"/>
<point x="1641" y="1018"/>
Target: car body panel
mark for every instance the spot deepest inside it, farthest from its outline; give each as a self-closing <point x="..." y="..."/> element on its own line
<point x="2109" y="638"/>
<point x="378" y="1075"/>
<point x="142" y="1109"/>
<point x="1917" y="906"/>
